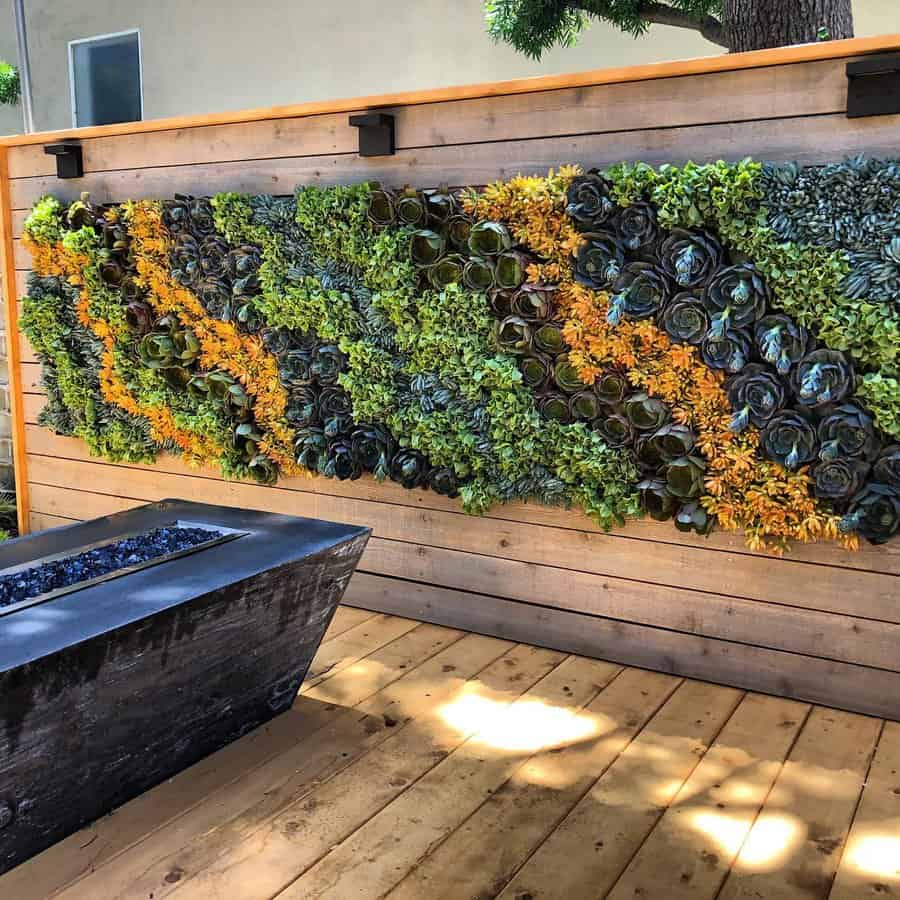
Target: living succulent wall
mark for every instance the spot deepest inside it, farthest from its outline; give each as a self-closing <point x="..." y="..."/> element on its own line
<point x="716" y="345"/>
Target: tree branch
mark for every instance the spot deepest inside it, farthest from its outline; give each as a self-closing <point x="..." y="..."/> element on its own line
<point x="660" y="14"/>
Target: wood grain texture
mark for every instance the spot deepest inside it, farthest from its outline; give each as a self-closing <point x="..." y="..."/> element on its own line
<point x="786" y="91"/>
<point x="816" y="139"/>
<point x="8" y="276"/>
<point x="652" y="71"/>
<point x="436" y="784"/>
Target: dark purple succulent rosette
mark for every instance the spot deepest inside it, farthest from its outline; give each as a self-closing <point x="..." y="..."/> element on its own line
<point x="847" y="431"/>
<point x="640" y="292"/>
<point x="781" y="342"/>
<point x="887" y="466"/>
<point x="690" y="258"/>
<point x="735" y="297"/>
<point x="874" y="513"/>
<point x="685" y="319"/>
<point x="789" y="439"/>
<point x="823" y="377"/>
<point x="589" y="201"/>
<point x="638" y="229"/>
<point x="755" y="394"/>
<point x="599" y="260"/>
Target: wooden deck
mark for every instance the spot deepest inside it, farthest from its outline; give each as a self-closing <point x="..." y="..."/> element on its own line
<point x="424" y="762"/>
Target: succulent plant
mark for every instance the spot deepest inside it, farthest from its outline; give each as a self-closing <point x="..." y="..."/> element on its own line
<point x="692" y="516"/>
<point x="536" y="370"/>
<point x="638" y="229"/>
<point x="780" y="341"/>
<point x="409" y="468"/>
<point x="513" y="334"/>
<point x="549" y="339"/>
<point x="426" y="247"/>
<point x="689" y="258"/>
<point x="589" y="201"/>
<point x="500" y="302"/>
<point x="176" y="215"/>
<point x="302" y="408"/>
<point x="112" y="271"/>
<point x="684" y="477"/>
<point x="311" y="446"/>
<point x="874" y="513"/>
<point x="334" y="402"/>
<point x="202" y="216"/>
<point x="327" y="363"/>
<point x="566" y="376"/>
<point x="735" y="297"/>
<point x="440" y="204"/>
<point x="755" y="395"/>
<point x="295" y="368"/>
<point x="684" y="319"/>
<point x="411" y="209"/>
<point x="615" y="430"/>
<point x="185" y="261"/>
<point x="847" y="431"/>
<point x="489" y="239"/>
<point x="647" y="455"/>
<point x="478" y="274"/>
<point x="223" y="389"/>
<point x="790" y="439"/>
<point x="458" y="229"/>
<point x="730" y="352"/>
<point x="645" y="413"/>
<point x="442" y="480"/>
<point x="533" y="301"/>
<point x="341" y="462"/>
<point x="640" y="291"/>
<point x="131" y="291"/>
<point x="446" y="271"/>
<point x="839" y="479"/>
<point x="242" y="263"/>
<point x="381" y="211"/>
<point x="611" y="388"/>
<point x="887" y="466"/>
<point x="277" y="340"/>
<point x="139" y="317"/>
<point x="599" y="260"/>
<point x="672" y="441"/>
<point x="510" y="270"/>
<point x="823" y="377"/>
<point x="169" y="346"/>
<point x="657" y="499"/>
<point x="374" y="447"/>
<point x="555" y="406"/>
<point x="584" y="406"/>
<point x="82" y="213"/>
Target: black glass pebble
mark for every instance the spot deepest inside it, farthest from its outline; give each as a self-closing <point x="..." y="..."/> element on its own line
<point x="60" y="573"/>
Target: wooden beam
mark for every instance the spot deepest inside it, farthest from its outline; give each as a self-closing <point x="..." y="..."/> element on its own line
<point x="726" y="62"/>
<point x="11" y="319"/>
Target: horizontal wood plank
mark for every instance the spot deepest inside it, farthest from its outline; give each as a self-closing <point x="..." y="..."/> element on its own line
<point x="772" y="92"/>
<point x="815" y="139"/>
<point x="864" y="594"/>
<point x="870" y="558"/>
<point x="718" y="63"/>
<point x="872" y="691"/>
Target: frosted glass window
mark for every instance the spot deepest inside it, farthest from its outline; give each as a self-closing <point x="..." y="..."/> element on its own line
<point x="106" y="79"/>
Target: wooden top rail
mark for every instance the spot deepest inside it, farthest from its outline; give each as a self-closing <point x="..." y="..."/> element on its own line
<point x="697" y="66"/>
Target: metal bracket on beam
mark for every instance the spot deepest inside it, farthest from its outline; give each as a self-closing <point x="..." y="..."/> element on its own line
<point x="376" y="134"/>
<point x="874" y="86"/>
<point x="69" y="161"/>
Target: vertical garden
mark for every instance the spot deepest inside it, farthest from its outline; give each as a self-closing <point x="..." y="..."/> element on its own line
<point x="716" y="345"/>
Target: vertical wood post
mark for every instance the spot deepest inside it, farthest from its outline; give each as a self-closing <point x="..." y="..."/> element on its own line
<point x="13" y="344"/>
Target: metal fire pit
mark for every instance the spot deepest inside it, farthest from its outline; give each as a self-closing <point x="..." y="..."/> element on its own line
<point x="111" y="685"/>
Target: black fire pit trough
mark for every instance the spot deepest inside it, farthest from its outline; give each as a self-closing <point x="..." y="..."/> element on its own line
<point x="118" y="670"/>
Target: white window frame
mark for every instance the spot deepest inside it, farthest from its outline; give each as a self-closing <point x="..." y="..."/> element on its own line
<point x="102" y="37"/>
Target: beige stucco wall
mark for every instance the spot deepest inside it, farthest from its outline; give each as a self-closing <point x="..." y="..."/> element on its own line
<point x="212" y="55"/>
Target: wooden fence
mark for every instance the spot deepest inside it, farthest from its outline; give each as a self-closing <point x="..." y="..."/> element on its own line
<point x="821" y="624"/>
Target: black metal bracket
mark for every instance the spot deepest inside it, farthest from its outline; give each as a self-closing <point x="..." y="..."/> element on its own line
<point x="69" y="161"/>
<point x="874" y="86"/>
<point x="376" y="134"/>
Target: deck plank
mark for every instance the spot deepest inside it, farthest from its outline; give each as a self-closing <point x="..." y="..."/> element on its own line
<point x="596" y="841"/>
<point x="260" y="793"/>
<point x="481" y="856"/>
<point x="690" y="851"/>
<point x="548" y="715"/>
<point x="795" y="845"/>
<point x="870" y="865"/>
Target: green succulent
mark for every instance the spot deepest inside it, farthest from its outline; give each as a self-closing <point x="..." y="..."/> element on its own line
<point x="489" y="239"/>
